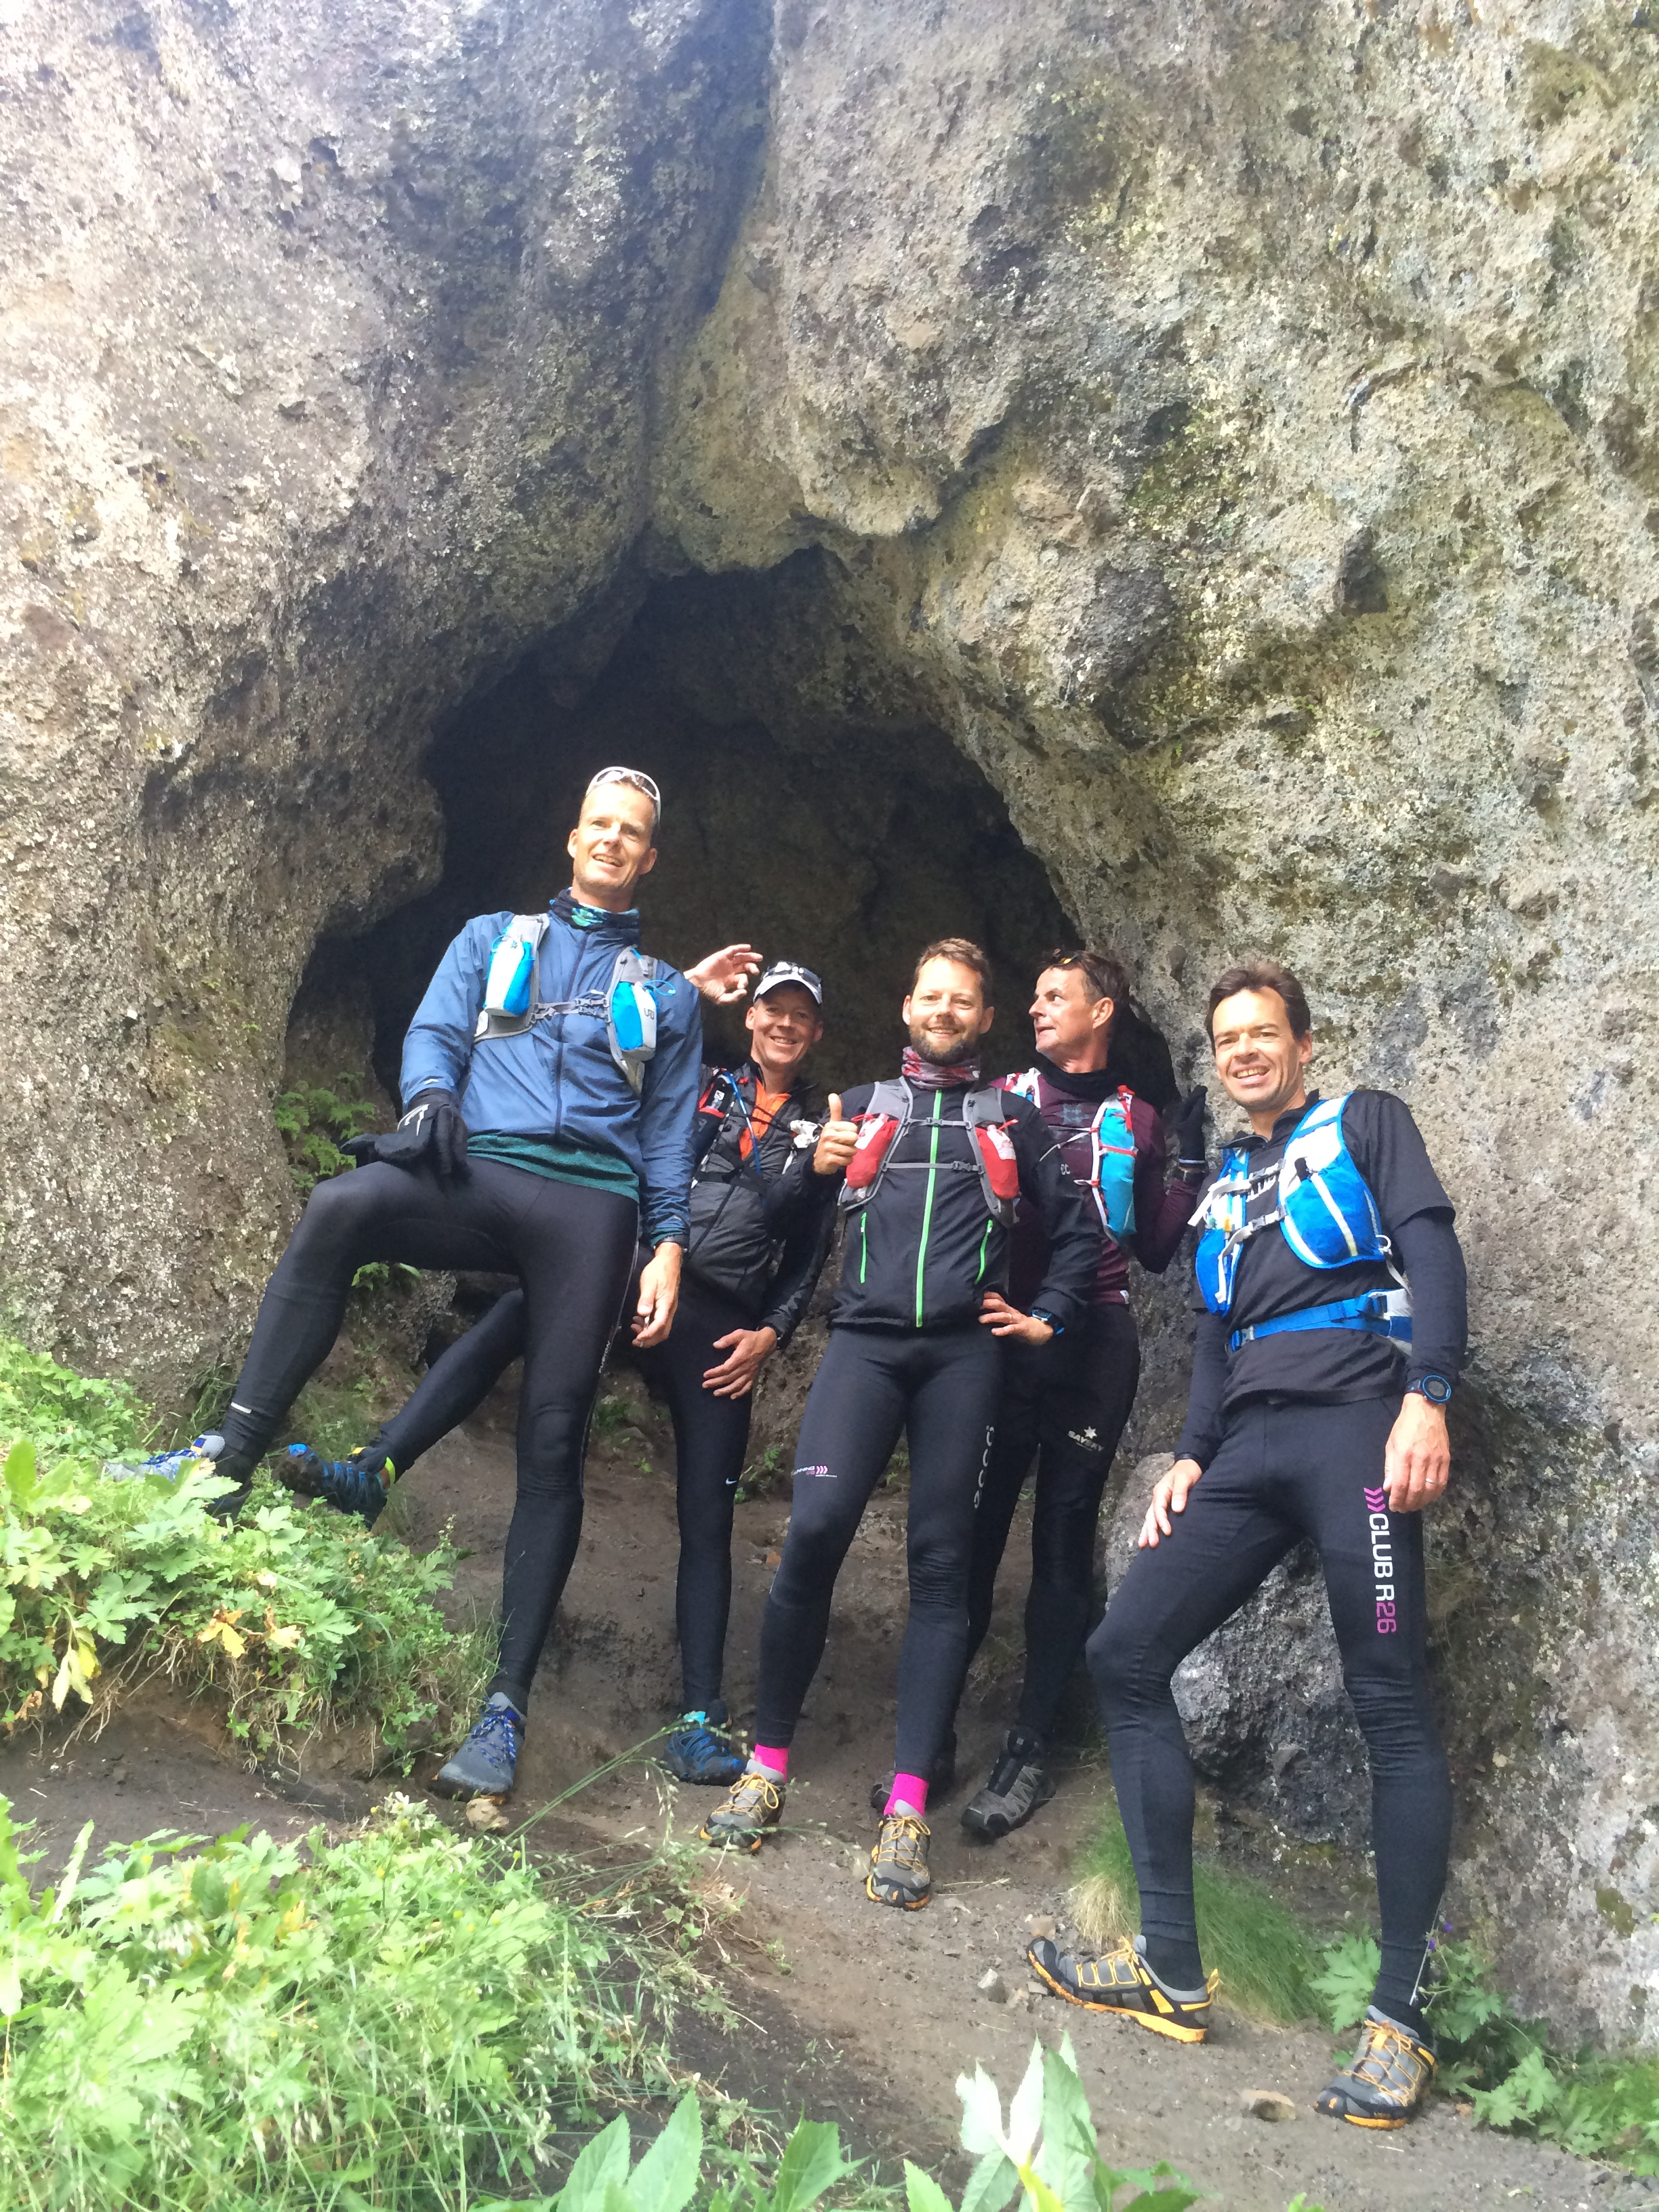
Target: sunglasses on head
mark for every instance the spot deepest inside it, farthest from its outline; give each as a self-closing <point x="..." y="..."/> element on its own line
<point x="636" y="776"/>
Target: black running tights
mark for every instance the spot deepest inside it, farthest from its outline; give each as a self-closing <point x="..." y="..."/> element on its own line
<point x="711" y="1438"/>
<point x="1284" y="1472"/>
<point x="1066" y="1404"/>
<point x="941" y="1392"/>
<point x="571" y="1249"/>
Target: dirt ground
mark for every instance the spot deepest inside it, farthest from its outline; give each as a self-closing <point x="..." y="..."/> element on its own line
<point x="853" y="2011"/>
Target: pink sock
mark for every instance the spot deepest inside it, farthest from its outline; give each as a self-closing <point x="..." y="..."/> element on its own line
<point x="776" y="1763"/>
<point x="908" y="1790"/>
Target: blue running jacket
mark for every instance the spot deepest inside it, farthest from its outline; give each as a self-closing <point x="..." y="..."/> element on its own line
<point x="558" y="1079"/>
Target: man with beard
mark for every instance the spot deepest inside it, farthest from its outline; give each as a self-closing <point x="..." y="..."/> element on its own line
<point x="932" y="1166"/>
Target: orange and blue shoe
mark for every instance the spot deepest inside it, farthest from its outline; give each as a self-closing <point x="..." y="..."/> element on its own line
<point x="359" y="1484"/>
<point x="1121" y="1981"/>
<point x="1386" y="2080"/>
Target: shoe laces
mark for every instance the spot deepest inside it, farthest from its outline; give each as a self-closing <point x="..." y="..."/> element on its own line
<point x="1388" y="2059"/>
<point x="496" y="1732"/>
<point x="754" y="1793"/>
<point x="904" y="1842"/>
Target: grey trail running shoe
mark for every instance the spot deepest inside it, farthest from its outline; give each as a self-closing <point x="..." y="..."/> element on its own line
<point x="1019" y="1783"/>
<point x="1386" y="2080"/>
<point x="486" y="1762"/>
<point x="751" y="1809"/>
<point x="898" y="1865"/>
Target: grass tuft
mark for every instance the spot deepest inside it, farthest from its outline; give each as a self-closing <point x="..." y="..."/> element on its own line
<point x="1267" y="1957"/>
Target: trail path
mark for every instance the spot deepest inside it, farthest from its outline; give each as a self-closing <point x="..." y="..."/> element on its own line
<point x="857" y="2011"/>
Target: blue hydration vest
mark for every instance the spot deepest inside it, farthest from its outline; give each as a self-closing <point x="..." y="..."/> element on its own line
<point x="1111" y="1177"/>
<point x="1326" y="1214"/>
<point x="513" y="1001"/>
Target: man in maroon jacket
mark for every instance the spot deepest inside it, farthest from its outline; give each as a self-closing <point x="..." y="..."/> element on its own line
<point x="1067" y="1402"/>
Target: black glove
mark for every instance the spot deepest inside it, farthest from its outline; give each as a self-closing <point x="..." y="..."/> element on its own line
<point x="431" y="1130"/>
<point x="1186" y="1126"/>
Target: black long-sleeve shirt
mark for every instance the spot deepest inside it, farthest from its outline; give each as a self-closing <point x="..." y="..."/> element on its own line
<point x="922" y="1251"/>
<point x="1335" y="1366"/>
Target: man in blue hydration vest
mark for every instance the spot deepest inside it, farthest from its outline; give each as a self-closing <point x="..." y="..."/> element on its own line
<point x="1317" y="1411"/>
<point x="549" y="1079"/>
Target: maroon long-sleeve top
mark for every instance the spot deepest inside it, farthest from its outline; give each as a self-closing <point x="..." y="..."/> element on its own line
<point x="1068" y="1103"/>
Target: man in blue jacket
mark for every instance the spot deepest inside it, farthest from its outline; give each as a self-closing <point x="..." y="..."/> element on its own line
<point x="549" y="1079"/>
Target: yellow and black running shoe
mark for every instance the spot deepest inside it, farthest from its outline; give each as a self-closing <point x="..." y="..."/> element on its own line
<point x="1384" y="2083"/>
<point x="1121" y="1981"/>
<point x="898" y="1865"/>
<point x="751" y="1809"/>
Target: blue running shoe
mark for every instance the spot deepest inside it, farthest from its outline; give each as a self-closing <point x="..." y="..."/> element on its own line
<point x="358" y="1484"/>
<point x="486" y="1762"/>
<point x="172" y="1464"/>
<point x="169" y="1465"/>
<point x="700" y="1750"/>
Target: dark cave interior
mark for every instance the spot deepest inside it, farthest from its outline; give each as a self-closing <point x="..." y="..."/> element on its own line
<point x="808" y="808"/>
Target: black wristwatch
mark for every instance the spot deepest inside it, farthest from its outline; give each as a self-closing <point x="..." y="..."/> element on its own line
<point x="1435" y="1387"/>
<point x="1048" y="1319"/>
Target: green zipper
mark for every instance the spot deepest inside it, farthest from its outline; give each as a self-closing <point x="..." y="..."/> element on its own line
<point x="864" y="1242"/>
<point x="984" y="1242"/>
<point x="927" y="1205"/>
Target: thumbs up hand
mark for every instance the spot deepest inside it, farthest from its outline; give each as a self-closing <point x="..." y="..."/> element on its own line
<point x="836" y="1141"/>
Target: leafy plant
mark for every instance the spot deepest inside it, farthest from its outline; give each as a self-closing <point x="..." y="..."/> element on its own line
<point x="1595" y="2104"/>
<point x="670" y="2172"/>
<point x="63" y="1413"/>
<point x="396" y="2020"/>
<point x="762" y="1475"/>
<point x="295" y="1617"/>
<point x="313" y="1122"/>
<point x="1347" y="1975"/>
<point x="1048" y="2148"/>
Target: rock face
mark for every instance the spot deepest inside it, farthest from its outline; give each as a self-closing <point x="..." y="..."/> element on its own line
<point x="332" y="342"/>
<point x="1233" y="429"/>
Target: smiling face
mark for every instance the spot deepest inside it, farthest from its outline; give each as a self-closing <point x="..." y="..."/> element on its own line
<point x="1259" y="1057"/>
<point x="784" y="1027"/>
<point x="945" y="1012"/>
<point x="611" y="846"/>
<point x="1071" y="1026"/>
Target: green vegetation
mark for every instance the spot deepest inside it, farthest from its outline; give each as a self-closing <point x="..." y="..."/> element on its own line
<point x="1275" y="1968"/>
<point x="313" y="1122"/>
<point x="294" y="1618"/>
<point x="391" y="2022"/>
<point x="1048" y="2150"/>
<point x="1595" y="2104"/>
<point x="1267" y="1958"/>
<point x="671" y="2173"/>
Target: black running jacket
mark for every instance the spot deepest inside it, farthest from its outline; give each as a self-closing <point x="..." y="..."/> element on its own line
<point x="922" y="1251"/>
<point x="762" y="1224"/>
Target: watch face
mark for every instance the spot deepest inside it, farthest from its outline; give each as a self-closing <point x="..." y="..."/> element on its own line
<point x="1436" y="1388"/>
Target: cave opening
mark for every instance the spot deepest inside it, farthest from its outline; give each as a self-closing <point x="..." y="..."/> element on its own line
<point x="811" y="806"/>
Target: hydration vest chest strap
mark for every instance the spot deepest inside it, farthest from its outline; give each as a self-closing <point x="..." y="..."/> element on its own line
<point x="1379" y="1313"/>
<point x="512" y="1003"/>
<point x="890" y="1112"/>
